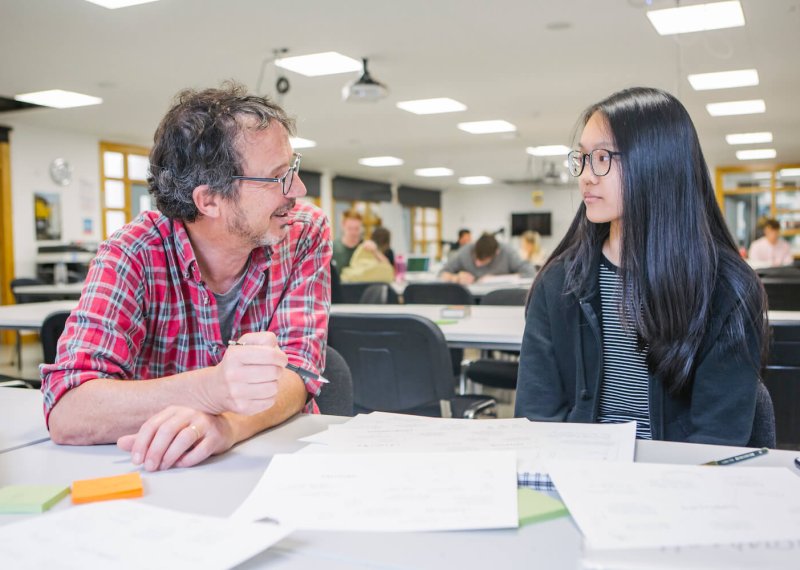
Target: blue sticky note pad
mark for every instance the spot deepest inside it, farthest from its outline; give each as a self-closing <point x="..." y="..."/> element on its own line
<point x="15" y="499"/>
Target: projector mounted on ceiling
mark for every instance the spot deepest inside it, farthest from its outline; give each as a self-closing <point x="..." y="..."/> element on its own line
<point x="365" y="88"/>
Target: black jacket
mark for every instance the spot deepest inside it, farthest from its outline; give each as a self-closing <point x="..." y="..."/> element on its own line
<point x="561" y="364"/>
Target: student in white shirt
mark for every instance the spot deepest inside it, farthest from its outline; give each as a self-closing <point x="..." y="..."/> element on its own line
<point x="770" y="250"/>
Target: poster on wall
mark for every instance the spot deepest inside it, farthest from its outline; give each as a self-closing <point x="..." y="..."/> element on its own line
<point x="47" y="216"/>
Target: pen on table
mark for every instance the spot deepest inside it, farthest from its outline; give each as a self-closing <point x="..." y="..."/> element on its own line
<point x="738" y="458"/>
<point x="302" y="372"/>
<point x="797" y="462"/>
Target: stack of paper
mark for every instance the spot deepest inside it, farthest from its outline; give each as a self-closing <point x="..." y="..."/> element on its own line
<point x="535" y="443"/>
<point x="131" y="535"/>
<point x="684" y="509"/>
<point x="387" y="492"/>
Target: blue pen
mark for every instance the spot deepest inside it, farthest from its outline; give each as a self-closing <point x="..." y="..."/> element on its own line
<point x="302" y="372"/>
<point x="797" y="462"/>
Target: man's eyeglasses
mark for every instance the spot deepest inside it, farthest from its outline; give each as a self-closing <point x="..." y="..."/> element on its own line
<point x="599" y="161"/>
<point x="285" y="180"/>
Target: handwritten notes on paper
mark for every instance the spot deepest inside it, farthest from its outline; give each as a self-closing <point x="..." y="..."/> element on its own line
<point x="387" y="492"/>
<point x="131" y="535"/>
<point x="534" y="442"/>
<point x="642" y="505"/>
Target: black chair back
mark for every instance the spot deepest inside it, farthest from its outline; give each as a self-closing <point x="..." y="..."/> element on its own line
<point x="353" y="292"/>
<point x="783" y="383"/>
<point x="379" y="294"/>
<point x="763" y="434"/>
<point x="336" y="285"/>
<point x="510" y="297"/>
<point x="399" y="363"/>
<point x="336" y="397"/>
<point x="51" y="331"/>
<point x="437" y="294"/>
<point x="784" y="344"/>
<point x="783" y="294"/>
<point x="20" y="298"/>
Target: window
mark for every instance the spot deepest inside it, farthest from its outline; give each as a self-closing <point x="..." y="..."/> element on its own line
<point x="426" y="231"/>
<point x="124" y="193"/>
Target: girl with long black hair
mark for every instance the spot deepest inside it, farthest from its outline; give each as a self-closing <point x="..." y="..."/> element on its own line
<point x="645" y="311"/>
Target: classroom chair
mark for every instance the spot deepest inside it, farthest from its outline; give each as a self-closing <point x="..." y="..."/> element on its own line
<point x="400" y="363"/>
<point x="336" y="397"/>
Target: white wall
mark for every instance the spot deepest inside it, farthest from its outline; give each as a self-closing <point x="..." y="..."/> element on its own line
<point x="487" y="208"/>
<point x="32" y="151"/>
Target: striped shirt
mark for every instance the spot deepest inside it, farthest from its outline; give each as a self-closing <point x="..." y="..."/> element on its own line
<point x="145" y="311"/>
<point x="624" y="391"/>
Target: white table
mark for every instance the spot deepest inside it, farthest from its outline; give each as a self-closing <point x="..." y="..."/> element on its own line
<point x="487" y="327"/>
<point x="31" y="315"/>
<point x="22" y="416"/>
<point x="219" y="485"/>
<point x="58" y="291"/>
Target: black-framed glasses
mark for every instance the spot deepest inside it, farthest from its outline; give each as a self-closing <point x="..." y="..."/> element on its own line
<point x="599" y="161"/>
<point x="285" y="180"/>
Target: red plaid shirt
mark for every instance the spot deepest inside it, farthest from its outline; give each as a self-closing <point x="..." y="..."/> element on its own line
<point x="145" y="311"/>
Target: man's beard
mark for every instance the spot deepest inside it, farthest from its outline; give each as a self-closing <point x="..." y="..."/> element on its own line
<point x="238" y="226"/>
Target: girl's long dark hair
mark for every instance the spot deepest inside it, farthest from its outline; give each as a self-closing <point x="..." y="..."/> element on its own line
<point x="676" y="249"/>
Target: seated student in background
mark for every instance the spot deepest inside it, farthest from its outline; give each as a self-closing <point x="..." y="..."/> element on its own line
<point x="645" y="311"/>
<point x="144" y="359"/>
<point x="484" y="257"/>
<point x="770" y="250"/>
<point x="345" y="246"/>
<point x="464" y="238"/>
<point x="530" y="244"/>
<point x="373" y="260"/>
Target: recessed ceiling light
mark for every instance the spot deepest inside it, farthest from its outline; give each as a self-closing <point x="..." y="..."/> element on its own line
<point x="789" y="172"/>
<point x="697" y="18"/>
<point x="724" y="79"/>
<point x="316" y="64"/>
<point x="58" y="98"/>
<point x="548" y="150"/>
<point x="380" y="161"/>
<point x="748" y="138"/>
<point x="736" y="108"/>
<point x="436" y="171"/>
<point x="475" y="180"/>
<point x="299" y="142"/>
<point x="114" y="4"/>
<point x="432" y="106"/>
<point x="756" y="154"/>
<point x="486" y="127"/>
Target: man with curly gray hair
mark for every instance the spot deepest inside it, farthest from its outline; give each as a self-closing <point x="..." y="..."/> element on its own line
<point x="195" y="319"/>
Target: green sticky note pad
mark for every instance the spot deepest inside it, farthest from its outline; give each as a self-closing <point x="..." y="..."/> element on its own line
<point x="30" y="498"/>
<point x="534" y="507"/>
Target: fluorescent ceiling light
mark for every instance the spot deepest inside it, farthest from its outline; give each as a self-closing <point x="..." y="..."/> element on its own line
<point x="756" y="154"/>
<point x="58" y="98"/>
<point x="380" y="161"/>
<point x="724" y="79"/>
<point x="736" y="108"/>
<point x="432" y="106"/>
<point x="697" y="18"/>
<point x="114" y="4"/>
<point x="436" y="171"/>
<point x="748" y="138"/>
<point x="475" y="180"/>
<point x="299" y="142"/>
<point x="789" y="172"/>
<point x="486" y="127"/>
<point x="316" y="64"/>
<point x="548" y="150"/>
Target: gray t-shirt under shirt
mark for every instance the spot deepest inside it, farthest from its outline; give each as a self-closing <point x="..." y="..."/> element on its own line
<point x="226" y="308"/>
